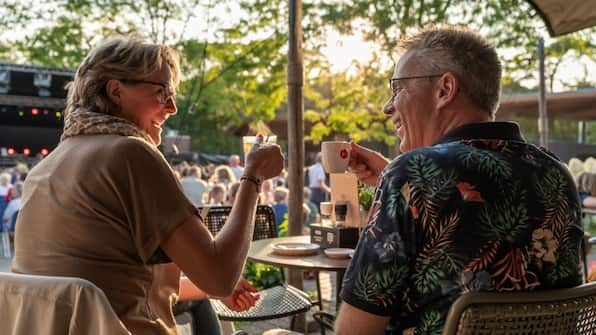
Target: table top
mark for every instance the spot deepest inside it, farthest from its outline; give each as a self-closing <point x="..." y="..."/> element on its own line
<point x="587" y="210"/>
<point x="261" y="251"/>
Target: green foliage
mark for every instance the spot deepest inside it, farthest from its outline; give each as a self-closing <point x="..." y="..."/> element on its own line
<point x="283" y="227"/>
<point x="365" y="196"/>
<point x="262" y="276"/>
<point x="347" y="105"/>
<point x="234" y="73"/>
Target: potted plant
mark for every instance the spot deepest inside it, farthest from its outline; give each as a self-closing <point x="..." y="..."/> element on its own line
<point x="365" y="199"/>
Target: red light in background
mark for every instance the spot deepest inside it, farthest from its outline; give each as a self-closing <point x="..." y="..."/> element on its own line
<point x="44" y="151"/>
<point x="27" y="151"/>
<point x="10" y="151"/>
<point x="35" y="111"/>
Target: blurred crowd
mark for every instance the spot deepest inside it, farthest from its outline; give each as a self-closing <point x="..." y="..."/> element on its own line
<point x="217" y="185"/>
<point x="11" y="188"/>
<point x="204" y="185"/>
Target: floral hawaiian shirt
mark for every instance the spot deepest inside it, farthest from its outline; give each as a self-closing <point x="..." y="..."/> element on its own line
<point x="480" y="210"/>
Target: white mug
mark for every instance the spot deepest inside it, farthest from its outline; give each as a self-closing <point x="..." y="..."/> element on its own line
<point x="336" y="156"/>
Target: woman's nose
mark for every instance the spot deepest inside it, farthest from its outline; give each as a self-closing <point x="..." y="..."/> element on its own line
<point x="170" y="105"/>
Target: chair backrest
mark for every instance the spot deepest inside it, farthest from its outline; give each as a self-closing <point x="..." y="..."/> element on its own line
<point x="561" y="311"/>
<point x="55" y="305"/>
<point x="265" y="226"/>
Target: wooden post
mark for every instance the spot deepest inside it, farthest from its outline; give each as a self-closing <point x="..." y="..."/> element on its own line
<point x="295" y="79"/>
<point x="295" y="119"/>
<point x="542" y="110"/>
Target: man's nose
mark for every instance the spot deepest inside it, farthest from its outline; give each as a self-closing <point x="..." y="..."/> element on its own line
<point x="389" y="108"/>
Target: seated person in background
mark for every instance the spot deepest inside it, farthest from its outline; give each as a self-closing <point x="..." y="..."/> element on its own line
<point x="313" y="211"/>
<point x="105" y="205"/>
<point x="5" y="187"/>
<point x="469" y="205"/>
<point x="586" y="187"/>
<point x="14" y="205"/>
<point x="266" y="196"/>
<point x="193" y="186"/>
<point x="217" y="195"/>
<point x="234" y="163"/>
<point x="280" y="206"/>
<point x="576" y="167"/>
<point x="231" y="197"/>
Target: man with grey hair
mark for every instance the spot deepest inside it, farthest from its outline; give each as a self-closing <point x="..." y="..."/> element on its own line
<point x="234" y="162"/>
<point x="468" y="206"/>
<point x="317" y="181"/>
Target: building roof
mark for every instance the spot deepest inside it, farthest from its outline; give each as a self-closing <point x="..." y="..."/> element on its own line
<point x="577" y="105"/>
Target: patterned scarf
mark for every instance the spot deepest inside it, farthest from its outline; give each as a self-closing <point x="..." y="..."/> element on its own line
<point x="84" y="122"/>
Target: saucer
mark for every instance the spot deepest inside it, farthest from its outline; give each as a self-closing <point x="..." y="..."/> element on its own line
<point x="339" y="252"/>
<point x="295" y="249"/>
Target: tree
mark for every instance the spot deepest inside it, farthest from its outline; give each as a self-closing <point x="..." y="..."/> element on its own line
<point x="230" y="74"/>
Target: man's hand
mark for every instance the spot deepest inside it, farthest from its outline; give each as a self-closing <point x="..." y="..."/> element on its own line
<point x="244" y="297"/>
<point x="366" y="164"/>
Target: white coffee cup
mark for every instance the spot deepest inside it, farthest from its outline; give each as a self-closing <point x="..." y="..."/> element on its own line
<point x="336" y="156"/>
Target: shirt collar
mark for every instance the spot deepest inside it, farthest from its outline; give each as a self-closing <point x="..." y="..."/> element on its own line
<point x="483" y="130"/>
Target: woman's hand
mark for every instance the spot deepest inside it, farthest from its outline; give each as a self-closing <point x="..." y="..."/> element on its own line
<point x="366" y="164"/>
<point x="244" y="297"/>
<point x="264" y="161"/>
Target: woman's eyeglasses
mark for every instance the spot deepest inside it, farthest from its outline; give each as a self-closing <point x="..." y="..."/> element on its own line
<point x="165" y="94"/>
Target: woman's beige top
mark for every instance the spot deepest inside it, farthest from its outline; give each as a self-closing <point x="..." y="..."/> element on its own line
<point x="98" y="207"/>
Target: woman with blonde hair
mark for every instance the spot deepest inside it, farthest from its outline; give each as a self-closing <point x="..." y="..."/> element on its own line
<point x="586" y="187"/>
<point x="223" y="174"/>
<point x="106" y="206"/>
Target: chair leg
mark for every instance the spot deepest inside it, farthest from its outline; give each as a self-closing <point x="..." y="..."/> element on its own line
<point x="319" y="295"/>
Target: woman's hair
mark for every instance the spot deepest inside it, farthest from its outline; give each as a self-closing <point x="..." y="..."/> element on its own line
<point x="280" y="194"/>
<point x="223" y="173"/>
<point x="5" y="179"/>
<point x="586" y="183"/>
<point x="232" y="191"/>
<point x="217" y="188"/>
<point x="116" y="58"/>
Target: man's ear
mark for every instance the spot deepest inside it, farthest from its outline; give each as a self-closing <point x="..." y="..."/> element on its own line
<point x="446" y="89"/>
<point x="113" y="87"/>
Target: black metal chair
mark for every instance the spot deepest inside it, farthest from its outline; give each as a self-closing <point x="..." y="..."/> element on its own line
<point x="275" y="302"/>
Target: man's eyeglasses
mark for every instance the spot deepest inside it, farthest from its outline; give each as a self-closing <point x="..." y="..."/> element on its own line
<point x="164" y="95"/>
<point x="396" y="88"/>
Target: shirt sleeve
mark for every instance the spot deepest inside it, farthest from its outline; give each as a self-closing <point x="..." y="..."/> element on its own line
<point x="376" y="279"/>
<point x="152" y="198"/>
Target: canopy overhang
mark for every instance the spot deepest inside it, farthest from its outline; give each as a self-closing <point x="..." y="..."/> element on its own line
<point x="577" y="105"/>
<point x="564" y="17"/>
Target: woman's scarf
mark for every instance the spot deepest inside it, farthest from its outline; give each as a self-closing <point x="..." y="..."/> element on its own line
<point x="84" y="122"/>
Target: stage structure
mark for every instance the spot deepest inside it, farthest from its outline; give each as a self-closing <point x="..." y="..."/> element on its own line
<point x="32" y="100"/>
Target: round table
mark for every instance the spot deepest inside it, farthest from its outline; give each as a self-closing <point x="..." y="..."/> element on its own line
<point x="261" y="251"/>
